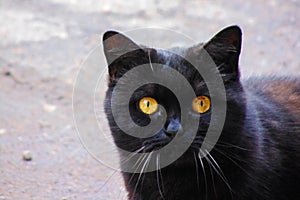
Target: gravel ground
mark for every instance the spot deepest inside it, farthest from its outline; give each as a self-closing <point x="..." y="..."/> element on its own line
<point x="42" y="46"/>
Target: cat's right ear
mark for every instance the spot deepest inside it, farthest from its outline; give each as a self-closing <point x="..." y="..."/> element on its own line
<point x="116" y="45"/>
<point x="225" y="48"/>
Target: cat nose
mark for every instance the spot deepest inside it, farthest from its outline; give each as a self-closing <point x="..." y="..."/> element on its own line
<point x="172" y="127"/>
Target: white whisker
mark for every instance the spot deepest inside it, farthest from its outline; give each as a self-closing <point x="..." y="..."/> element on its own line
<point x="157" y="176"/>
<point x="197" y="174"/>
<point x="204" y="173"/>
<point x="131" y="155"/>
<point x="227" y="156"/>
<point x="219" y="171"/>
<point x="211" y="171"/>
<point x="142" y="171"/>
<point x="224" y="144"/>
<point x="138" y="163"/>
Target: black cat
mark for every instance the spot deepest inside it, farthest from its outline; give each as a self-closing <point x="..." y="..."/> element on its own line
<point x="258" y="153"/>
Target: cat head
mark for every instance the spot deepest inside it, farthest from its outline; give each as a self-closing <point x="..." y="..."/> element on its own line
<point x="123" y="55"/>
<point x="224" y="48"/>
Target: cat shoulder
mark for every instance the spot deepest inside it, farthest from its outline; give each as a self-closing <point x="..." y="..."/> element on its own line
<point x="284" y="91"/>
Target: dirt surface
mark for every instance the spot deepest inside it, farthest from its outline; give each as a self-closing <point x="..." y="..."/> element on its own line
<point x="43" y="43"/>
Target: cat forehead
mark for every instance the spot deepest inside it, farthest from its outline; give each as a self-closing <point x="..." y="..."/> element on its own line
<point x="170" y="57"/>
<point x="176" y="59"/>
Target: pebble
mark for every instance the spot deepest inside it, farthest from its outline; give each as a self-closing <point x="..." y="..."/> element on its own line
<point x="8" y="73"/>
<point x="27" y="155"/>
<point x="2" y="131"/>
<point x="49" y="107"/>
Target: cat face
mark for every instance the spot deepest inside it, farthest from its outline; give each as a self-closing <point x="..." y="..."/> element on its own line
<point x="149" y="101"/>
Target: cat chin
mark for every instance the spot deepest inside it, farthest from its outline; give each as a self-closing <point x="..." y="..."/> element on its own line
<point x="187" y="160"/>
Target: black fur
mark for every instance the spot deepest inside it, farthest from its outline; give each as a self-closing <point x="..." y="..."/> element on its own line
<point x="259" y="148"/>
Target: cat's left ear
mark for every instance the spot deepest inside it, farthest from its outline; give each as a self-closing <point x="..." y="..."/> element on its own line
<point x="225" y="48"/>
<point x="121" y="53"/>
<point x="116" y="44"/>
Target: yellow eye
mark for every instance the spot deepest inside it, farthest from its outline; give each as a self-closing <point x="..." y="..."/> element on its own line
<point x="201" y="104"/>
<point x="148" y="105"/>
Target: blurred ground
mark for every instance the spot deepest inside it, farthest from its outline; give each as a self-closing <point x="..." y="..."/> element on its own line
<point x="42" y="44"/>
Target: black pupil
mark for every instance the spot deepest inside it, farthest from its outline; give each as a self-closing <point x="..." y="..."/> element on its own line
<point x="201" y="103"/>
<point x="148" y="103"/>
